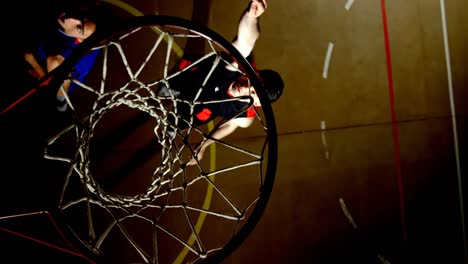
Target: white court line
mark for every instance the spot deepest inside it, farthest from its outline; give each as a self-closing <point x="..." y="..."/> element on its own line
<point x="349" y="4"/>
<point x="348" y="215"/>
<point x="324" y="140"/>
<point x="327" y="60"/>
<point x="454" y="122"/>
<point x="346" y="212"/>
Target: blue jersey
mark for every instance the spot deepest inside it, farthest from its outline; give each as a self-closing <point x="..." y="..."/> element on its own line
<point x="56" y="42"/>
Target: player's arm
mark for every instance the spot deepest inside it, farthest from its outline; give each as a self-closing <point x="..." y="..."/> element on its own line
<point x="53" y="62"/>
<point x="223" y="131"/>
<point x="249" y="28"/>
<point x="39" y="72"/>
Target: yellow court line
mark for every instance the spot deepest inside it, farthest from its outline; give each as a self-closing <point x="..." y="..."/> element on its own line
<point x="133" y="11"/>
<point x="206" y="203"/>
<point x="209" y="192"/>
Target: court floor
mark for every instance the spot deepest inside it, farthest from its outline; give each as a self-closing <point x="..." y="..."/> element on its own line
<point x="372" y="137"/>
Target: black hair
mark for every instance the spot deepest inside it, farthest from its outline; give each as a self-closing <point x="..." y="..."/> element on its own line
<point x="85" y="10"/>
<point x="273" y="84"/>
<point x="78" y="9"/>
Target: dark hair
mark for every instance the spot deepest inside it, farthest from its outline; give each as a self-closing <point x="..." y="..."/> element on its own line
<point x="84" y="10"/>
<point x="273" y="84"/>
<point x="78" y="9"/>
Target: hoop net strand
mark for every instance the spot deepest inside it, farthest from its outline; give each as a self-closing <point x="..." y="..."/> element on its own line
<point x="160" y="219"/>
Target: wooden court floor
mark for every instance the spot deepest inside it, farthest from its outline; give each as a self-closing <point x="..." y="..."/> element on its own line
<point x="372" y="134"/>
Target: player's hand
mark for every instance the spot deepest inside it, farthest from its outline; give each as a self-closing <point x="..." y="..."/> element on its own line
<point x="257" y="7"/>
<point x="199" y="155"/>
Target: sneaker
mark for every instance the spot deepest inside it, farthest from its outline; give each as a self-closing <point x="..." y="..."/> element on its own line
<point x="166" y="92"/>
<point x="61" y="104"/>
<point x="171" y="133"/>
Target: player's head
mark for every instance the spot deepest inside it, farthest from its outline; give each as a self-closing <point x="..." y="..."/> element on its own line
<point x="80" y="18"/>
<point x="273" y="84"/>
<point x="80" y="29"/>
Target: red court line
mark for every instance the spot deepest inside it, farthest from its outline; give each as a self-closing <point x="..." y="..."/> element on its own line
<point x="22" y="98"/>
<point x="396" y="142"/>
<point x="76" y="252"/>
<point x="26" y="95"/>
<point x="43" y="243"/>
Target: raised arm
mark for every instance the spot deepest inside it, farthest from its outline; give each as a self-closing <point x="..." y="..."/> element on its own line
<point x="223" y="131"/>
<point x="247" y="34"/>
<point x="249" y="28"/>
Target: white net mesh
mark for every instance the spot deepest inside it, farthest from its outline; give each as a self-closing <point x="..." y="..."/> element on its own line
<point x="128" y="194"/>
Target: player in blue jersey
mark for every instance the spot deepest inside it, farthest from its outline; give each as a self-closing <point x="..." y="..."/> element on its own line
<point x="75" y="22"/>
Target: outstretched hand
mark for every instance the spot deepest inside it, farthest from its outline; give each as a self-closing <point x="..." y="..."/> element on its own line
<point x="257" y="7"/>
<point x="199" y="155"/>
